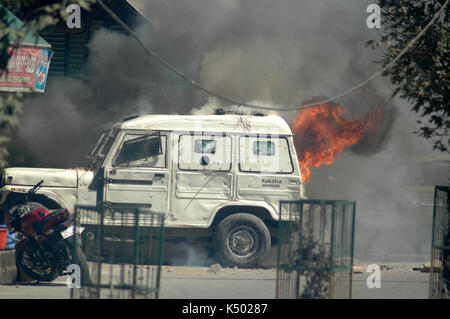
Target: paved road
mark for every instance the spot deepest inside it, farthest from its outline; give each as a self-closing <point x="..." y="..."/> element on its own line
<point x="201" y="282"/>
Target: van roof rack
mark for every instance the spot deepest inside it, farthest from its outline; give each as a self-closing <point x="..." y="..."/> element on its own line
<point x="221" y="111"/>
<point x="129" y="117"/>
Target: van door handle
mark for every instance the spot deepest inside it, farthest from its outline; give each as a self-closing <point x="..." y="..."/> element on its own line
<point x="158" y="176"/>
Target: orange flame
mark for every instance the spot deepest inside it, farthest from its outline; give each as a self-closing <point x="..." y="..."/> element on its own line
<point x="321" y="134"/>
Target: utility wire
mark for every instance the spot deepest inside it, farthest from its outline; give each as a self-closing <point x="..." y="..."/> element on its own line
<point x="230" y="100"/>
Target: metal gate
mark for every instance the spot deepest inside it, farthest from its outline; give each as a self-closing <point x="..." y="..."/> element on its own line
<point x="124" y="250"/>
<point x="315" y="249"/>
<point x="440" y="245"/>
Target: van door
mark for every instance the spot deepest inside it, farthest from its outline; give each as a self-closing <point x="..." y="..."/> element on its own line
<point x="266" y="169"/>
<point x="139" y="174"/>
<point x="203" y="175"/>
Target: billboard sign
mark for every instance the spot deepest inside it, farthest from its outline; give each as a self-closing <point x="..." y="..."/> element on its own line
<point x="27" y="70"/>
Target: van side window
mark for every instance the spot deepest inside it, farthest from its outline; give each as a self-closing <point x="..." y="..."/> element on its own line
<point x="265" y="154"/>
<point x="139" y="150"/>
<point x="204" y="152"/>
<point x="205" y="146"/>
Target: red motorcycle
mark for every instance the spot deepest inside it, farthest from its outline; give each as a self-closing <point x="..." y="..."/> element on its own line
<point x="46" y="245"/>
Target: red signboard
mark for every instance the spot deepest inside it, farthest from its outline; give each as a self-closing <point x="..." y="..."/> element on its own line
<point x="27" y="70"/>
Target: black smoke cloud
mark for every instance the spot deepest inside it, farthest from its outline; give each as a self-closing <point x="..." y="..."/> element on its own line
<point x="274" y="52"/>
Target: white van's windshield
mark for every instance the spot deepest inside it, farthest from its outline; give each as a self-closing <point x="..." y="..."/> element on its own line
<point x="102" y="147"/>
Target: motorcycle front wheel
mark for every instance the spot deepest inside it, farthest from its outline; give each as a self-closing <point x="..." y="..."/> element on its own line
<point x="31" y="259"/>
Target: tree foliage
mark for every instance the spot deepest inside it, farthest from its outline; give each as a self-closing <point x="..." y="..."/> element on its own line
<point x="422" y="75"/>
<point x="36" y="15"/>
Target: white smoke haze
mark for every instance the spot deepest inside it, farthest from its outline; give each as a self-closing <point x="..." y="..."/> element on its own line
<point x="213" y="105"/>
<point x="273" y="53"/>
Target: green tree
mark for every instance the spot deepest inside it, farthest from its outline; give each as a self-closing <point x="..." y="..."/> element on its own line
<point x="422" y="75"/>
<point x="36" y="16"/>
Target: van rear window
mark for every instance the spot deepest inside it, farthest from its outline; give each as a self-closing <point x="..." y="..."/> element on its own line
<point x="265" y="154"/>
<point x="264" y="148"/>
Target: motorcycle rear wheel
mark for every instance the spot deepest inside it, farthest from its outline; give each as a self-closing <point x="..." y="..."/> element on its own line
<point x="31" y="260"/>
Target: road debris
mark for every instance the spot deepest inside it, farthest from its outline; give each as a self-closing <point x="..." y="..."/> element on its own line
<point x="215" y="268"/>
<point x="427" y="267"/>
<point x="385" y="267"/>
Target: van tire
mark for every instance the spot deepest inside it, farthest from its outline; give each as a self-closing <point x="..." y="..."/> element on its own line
<point x="241" y="240"/>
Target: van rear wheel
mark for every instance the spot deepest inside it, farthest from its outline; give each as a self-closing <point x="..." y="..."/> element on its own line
<point x="241" y="240"/>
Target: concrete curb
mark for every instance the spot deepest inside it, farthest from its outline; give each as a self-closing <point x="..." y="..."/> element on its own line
<point x="8" y="269"/>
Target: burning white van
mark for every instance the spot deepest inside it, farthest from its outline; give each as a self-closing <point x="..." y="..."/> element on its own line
<point x="216" y="178"/>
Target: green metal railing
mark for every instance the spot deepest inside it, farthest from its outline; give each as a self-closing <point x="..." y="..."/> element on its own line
<point x="124" y="249"/>
<point x="440" y="245"/>
<point x="315" y="249"/>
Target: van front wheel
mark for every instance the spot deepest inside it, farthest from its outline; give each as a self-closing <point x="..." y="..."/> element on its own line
<point x="241" y="240"/>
